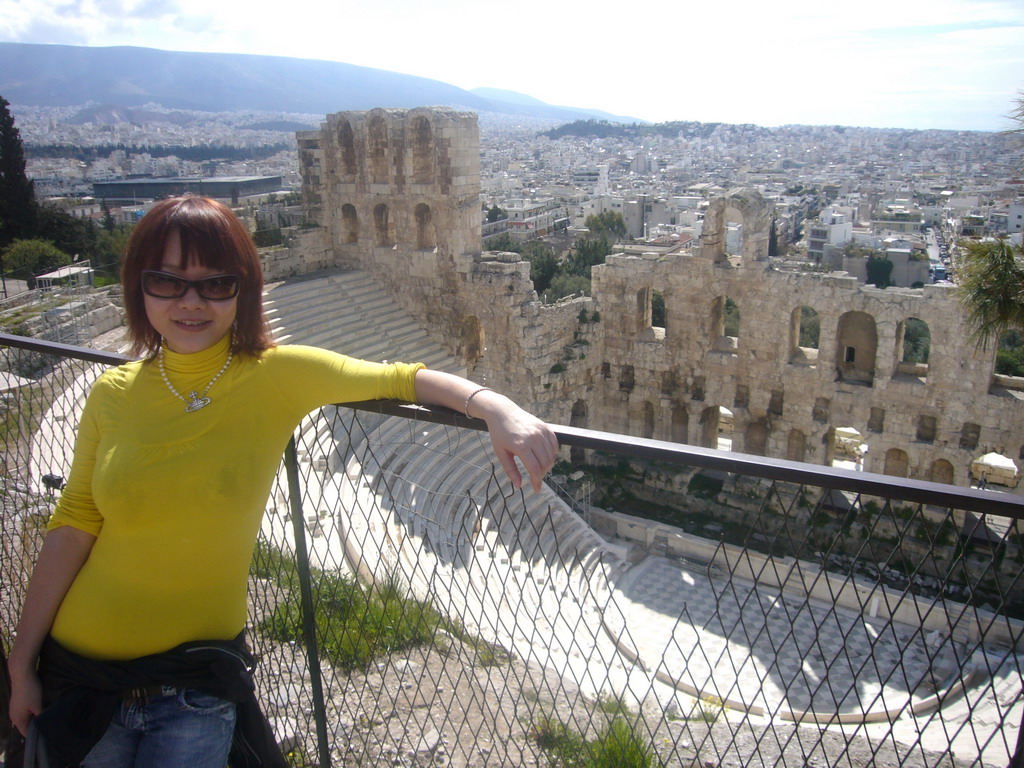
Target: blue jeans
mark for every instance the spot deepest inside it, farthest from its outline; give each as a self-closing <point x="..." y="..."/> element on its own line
<point x="182" y="727"/>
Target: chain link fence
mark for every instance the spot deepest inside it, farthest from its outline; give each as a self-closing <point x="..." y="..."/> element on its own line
<point x="409" y="607"/>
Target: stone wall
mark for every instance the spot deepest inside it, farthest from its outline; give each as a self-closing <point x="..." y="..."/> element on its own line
<point x="397" y="193"/>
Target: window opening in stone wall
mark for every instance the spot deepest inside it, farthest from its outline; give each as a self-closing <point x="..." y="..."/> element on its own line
<point x="669" y="382"/>
<point x="848" y="448"/>
<point x="711" y="425"/>
<point x="697" y="388"/>
<point x="742" y="397"/>
<point x="821" y="410"/>
<point x="805" y="332"/>
<point x="725" y="324"/>
<point x="970" y="433"/>
<point x="627" y="379"/>
<point x="349" y="224"/>
<point x="756" y="438"/>
<point x="926" y="428"/>
<point x="776" y="402"/>
<point x="876" y="421"/>
<point x="382" y="226"/>
<point x="606" y="370"/>
<point x="425" y="234"/>
<point x="648" y="416"/>
<point x="472" y="340"/>
<point x="941" y="471"/>
<point x="422" y="151"/>
<point x="796" y="446"/>
<point x="716" y="428"/>
<point x="680" y="424"/>
<point x="347" y="142"/>
<point x="658" y="315"/>
<point x="913" y="347"/>
<point x="857" y="346"/>
<point x="378" y="150"/>
<point x="897" y="463"/>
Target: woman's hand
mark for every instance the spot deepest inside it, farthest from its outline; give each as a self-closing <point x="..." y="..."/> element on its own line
<point x="26" y="699"/>
<point x="514" y="432"/>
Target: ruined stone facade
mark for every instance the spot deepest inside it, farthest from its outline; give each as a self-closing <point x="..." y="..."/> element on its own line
<point x="397" y="193"/>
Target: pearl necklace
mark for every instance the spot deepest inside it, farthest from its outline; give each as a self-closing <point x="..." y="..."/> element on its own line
<point x="195" y="401"/>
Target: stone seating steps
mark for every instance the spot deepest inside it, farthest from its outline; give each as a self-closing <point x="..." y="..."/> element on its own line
<point x="350" y="313"/>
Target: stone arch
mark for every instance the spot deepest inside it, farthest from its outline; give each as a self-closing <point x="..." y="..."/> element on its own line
<point x="913" y="347"/>
<point x="578" y="418"/>
<point x="347" y="144"/>
<point x="755" y="440"/>
<point x="796" y="445"/>
<point x="377" y="149"/>
<point x="383" y="233"/>
<point x="422" y="150"/>
<point x="472" y="339"/>
<point x="648" y="420"/>
<point x="857" y="346"/>
<point x="349" y="224"/>
<point x="941" y="471"/>
<point x="897" y="463"/>
<point x="725" y="324"/>
<point x="426" y="238"/>
<point x="755" y="214"/>
<point x="680" y="423"/>
<point x="804" y="336"/>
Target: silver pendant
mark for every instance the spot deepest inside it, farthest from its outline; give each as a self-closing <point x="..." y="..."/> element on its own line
<point x="197" y="402"/>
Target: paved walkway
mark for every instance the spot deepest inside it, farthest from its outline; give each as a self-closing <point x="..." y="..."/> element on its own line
<point x="771" y="653"/>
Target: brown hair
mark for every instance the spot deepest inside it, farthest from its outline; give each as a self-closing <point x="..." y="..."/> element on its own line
<point x="212" y="236"/>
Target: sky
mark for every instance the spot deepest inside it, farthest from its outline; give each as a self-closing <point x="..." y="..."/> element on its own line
<point x="950" y="64"/>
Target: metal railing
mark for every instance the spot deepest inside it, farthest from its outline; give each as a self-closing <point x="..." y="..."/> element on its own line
<point x="410" y="608"/>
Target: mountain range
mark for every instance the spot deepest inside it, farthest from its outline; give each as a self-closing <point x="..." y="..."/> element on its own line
<point x="65" y="75"/>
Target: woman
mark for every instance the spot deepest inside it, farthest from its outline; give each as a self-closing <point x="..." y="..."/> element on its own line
<point x="139" y="592"/>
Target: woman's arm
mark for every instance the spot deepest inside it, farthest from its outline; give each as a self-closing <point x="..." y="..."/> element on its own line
<point x="514" y="432"/>
<point x="64" y="552"/>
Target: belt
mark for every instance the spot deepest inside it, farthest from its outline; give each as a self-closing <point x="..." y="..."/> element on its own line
<point x="141" y="696"/>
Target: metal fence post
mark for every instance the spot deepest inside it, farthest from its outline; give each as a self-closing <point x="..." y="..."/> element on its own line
<point x="308" y="615"/>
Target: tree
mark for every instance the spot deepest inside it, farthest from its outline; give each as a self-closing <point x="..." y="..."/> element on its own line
<point x="586" y="253"/>
<point x="504" y="242"/>
<point x="69" y="233"/>
<point x="991" y="278"/>
<point x="17" y="198"/>
<point x="27" y="258"/>
<point x="879" y="270"/>
<point x="567" y="285"/>
<point x="773" y="241"/>
<point x="606" y="223"/>
<point x="1010" y="355"/>
<point x="544" y="264"/>
<point x="496" y="214"/>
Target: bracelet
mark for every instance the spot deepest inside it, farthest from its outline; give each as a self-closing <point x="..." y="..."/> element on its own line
<point x="473" y="394"/>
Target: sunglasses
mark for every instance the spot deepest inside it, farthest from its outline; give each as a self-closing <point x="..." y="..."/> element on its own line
<point x="164" y="285"/>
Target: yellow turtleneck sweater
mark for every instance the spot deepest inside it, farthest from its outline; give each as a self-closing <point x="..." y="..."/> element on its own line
<point x="175" y="499"/>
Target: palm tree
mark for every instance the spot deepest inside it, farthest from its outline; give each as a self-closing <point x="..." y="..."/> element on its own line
<point x="991" y="277"/>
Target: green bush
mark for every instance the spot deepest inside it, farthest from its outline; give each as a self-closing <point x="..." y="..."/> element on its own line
<point x="354" y="623"/>
<point x="704" y="486"/>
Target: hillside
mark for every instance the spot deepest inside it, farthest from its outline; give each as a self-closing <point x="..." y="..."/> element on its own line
<point x="63" y="75"/>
